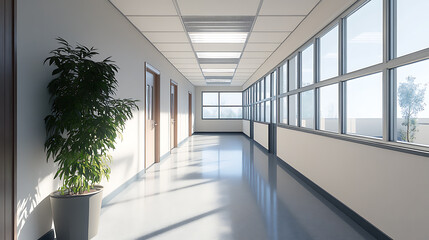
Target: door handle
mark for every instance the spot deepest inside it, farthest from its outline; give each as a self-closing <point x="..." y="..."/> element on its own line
<point x="156" y="124"/>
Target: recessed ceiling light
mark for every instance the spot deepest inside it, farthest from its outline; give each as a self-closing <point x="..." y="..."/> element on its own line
<point x="215" y="80"/>
<point x="217" y="70"/>
<point x="218" y="54"/>
<point x="218" y="37"/>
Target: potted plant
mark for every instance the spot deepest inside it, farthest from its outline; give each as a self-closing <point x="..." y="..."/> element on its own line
<point x="82" y="128"/>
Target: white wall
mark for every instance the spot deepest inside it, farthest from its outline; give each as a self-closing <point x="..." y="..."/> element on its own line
<point x="246" y="127"/>
<point x="260" y="133"/>
<point x="387" y="188"/>
<point x="92" y="23"/>
<point x="214" y="125"/>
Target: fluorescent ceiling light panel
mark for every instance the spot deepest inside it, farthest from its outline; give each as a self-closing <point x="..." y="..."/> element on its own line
<point x="215" y="80"/>
<point x="218" y="70"/>
<point x="218" y="37"/>
<point x="218" y="54"/>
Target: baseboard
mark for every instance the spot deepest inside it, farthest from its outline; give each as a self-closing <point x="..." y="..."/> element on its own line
<point x="367" y="226"/>
<point x="203" y="133"/>
<point x="48" y="236"/>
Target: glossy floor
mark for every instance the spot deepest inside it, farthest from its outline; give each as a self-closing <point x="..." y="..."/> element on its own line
<point x="222" y="187"/>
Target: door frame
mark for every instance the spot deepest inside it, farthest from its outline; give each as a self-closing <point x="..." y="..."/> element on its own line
<point x="175" y="85"/>
<point x="189" y="114"/>
<point x="157" y="85"/>
<point x="8" y="119"/>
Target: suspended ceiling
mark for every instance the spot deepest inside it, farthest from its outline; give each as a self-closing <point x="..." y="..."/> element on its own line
<point x="216" y="41"/>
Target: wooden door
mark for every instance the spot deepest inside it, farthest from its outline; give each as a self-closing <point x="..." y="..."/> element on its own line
<point x="189" y="114"/>
<point x="150" y="119"/>
<point x="7" y="121"/>
<point x="173" y="115"/>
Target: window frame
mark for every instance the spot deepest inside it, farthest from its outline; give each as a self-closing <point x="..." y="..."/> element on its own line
<point x="219" y="106"/>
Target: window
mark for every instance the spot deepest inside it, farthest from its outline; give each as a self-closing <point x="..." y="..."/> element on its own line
<point x="364" y="106"/>
<point x="274" y="81"/>
<point x="262" y="116"/>
<point x="222" y="105"/>
<point x="268" y="86"/>
<point x="293" y="110"/>
<point x="329" y="108"/>
<point x="293" y="73"/>
<point x="210" y="99"/>
<point x="262" y="89"/>
<point x="412" y="31"/>
<point x="283" y="110"/>
<point x="365" y="36"/>
<point x="412" y="104"/>
<point x="283" y="78"/>
<point x="307" y="109"/>
<point x="268" y="111"/>
<point x="329" y="54"/>
<point x="307" y="63"/>
<point x="210" y="112"/>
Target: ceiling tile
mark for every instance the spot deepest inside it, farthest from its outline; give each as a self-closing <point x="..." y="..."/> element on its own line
<point x="218" y="7"/>
<point x="165" y="47"/>
<point x="183" y="60"/>
<point x="221" y="66"/>
<point x="187" y="65"/>
<point x="249" y="65"/>
<point x="268" y="37"/>
<point x="189" y="70"/>
<point x="263" y="55"/>
<point x="287" y="7"/>
<point x="154" y="23"/>
<point x="261" y="47"/>
<point x="164" y="37"/>
<point x="277" y="23"/>
<point x="252" y="61"/>
<point x="223" y="47"/>
<point x="140" y="7"/>
<point x="245" y="70"/>
<point x="169" y="55"/>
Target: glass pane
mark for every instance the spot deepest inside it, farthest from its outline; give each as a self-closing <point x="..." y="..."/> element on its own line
<point x="283" y="78"/>
<point x="274" y="81"/>
<point x="307" y="109"/>
<point x="293" y="110"/>
<point x="274" y="120"/>
<point x="293" y="73"/>
<point x="268" y="86"/>
<point x="329" y="108"/>
<point x="210" y="112"/>
<point x="263" y="89"/>
<point x="365" y="36"/>
<point x="262" y="117"/>
<point x="268" y="111"/>
<point x="307" y="57"/>
<point x="413" y="103"/>
<point x="231" y="112"/>
<point x="210" y="99"/>
<point x="258" y="91"/>
<point x="230" y="98"/>
<point x="412" y="26"/>
<point x="283" y="110"/>
<point x="329" y="54"/>
<point x="364" y="106"/>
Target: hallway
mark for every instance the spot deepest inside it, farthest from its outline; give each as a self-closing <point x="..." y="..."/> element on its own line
<point x="222" y="187"/>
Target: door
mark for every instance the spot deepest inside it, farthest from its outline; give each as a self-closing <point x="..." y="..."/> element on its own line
<point x="189" y="114"/>
<point x="7" y="121"/>
<point x="150" y="120"/>
<point x="173" y="114"/>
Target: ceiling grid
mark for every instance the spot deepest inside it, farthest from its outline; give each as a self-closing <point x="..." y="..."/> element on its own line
<point x="216" y="42"/>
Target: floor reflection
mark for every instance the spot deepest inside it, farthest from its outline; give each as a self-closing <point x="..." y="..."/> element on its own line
<point x="222" y="187"/>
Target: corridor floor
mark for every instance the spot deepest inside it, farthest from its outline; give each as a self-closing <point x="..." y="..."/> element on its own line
<point x="222" y="187"/>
